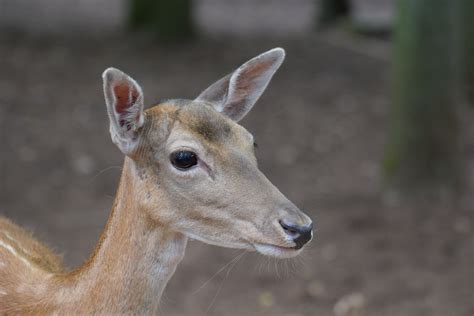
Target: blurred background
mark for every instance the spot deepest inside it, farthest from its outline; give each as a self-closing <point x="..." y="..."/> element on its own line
<point x="367" y="126"/>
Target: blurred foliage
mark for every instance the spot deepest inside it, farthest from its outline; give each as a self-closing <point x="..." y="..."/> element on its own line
<point x="331" y="11"/>
<point x="422" y="148"/>
<point x="168" y="19"/>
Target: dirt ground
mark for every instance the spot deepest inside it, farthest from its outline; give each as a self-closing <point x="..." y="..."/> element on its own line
<point x="320" y="129"/>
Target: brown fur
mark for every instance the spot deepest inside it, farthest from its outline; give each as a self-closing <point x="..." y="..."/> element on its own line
<point x="113" y="281"/>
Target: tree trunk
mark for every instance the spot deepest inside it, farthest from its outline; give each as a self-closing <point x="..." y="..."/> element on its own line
<point x="168" y="19"/>
<point x="422" y="147"/>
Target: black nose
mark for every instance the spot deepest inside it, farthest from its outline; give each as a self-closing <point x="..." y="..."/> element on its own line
<point x="300" y="234"/>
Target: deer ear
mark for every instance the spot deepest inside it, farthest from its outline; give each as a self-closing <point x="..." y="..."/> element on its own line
<point x="124" y="99"/>
<point x="235" y="94"/>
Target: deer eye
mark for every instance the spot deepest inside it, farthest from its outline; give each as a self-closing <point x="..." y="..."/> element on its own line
<point x="183" y="159"/>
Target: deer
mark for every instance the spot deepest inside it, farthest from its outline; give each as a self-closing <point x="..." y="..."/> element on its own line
<point x="189" y="171"/>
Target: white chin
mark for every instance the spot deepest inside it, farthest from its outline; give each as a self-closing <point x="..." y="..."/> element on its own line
<point x="277" y="252"/>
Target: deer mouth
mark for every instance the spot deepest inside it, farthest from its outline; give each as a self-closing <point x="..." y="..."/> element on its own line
<point x="277" y="251"/>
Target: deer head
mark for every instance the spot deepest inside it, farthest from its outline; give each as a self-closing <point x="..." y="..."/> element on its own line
<point x="195" y="166"/>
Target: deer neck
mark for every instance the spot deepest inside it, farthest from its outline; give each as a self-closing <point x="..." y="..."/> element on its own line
<point x="134" y="259"/>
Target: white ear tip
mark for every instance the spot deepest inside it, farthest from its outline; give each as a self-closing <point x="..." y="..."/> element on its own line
<point x="112" y="73"/>
<point x="277" y="53"/>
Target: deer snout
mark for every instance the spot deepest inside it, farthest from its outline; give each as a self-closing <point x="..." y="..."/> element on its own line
<point x="300" y="234"/>
<point x="295" y="225"/>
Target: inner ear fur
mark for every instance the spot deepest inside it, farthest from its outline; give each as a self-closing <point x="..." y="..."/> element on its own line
<point x="124" y="100"/>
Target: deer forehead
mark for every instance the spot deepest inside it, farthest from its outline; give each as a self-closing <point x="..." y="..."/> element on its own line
<point x="199" y="121"/>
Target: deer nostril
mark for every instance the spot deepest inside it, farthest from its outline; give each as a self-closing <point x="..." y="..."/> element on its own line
<point x="300" y="234"/>
<point x="290" y="230"/>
